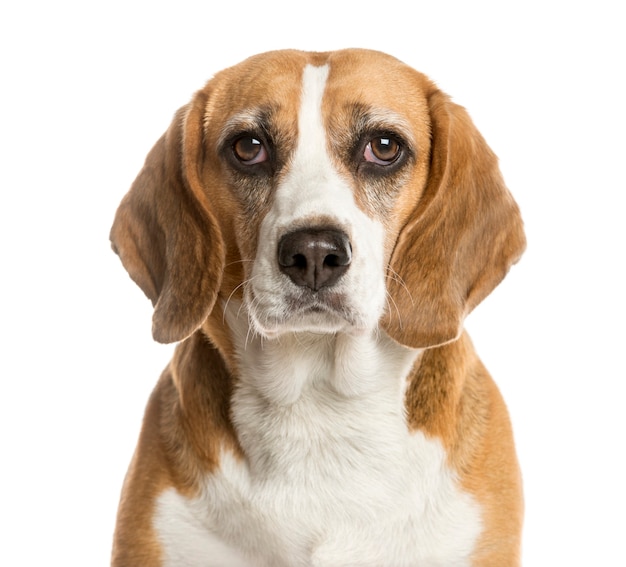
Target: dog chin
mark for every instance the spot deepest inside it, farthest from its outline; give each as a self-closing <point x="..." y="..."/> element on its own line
<point x="319" y="322"/>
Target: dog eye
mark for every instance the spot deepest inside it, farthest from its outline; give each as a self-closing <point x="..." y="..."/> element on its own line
<point x="382" y="151"/>
<point x="250" y="150"/>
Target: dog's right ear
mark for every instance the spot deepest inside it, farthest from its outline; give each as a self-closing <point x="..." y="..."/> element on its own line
<point x="165" y="233"/>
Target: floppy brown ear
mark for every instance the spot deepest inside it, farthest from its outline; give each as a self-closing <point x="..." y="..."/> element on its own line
<point x="460" y="241"/>
<point x="165" y="233"/>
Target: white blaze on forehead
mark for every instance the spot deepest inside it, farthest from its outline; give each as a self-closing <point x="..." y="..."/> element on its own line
<point x="313" y="187"/>
<point x="313" y="87"/>
<point x="312" y="135"/>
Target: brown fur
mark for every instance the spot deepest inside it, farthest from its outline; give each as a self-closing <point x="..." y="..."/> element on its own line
<point x="452" y="397"/>
<point x="187" y="238"/>
<point x="461" y="238"/>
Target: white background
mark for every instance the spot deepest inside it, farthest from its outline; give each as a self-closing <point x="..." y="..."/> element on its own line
<point x="86" y="88"/>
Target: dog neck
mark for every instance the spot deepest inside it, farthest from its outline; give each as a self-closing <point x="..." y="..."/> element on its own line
<point x="300" y="390"/>
<point x="292" y="366"/>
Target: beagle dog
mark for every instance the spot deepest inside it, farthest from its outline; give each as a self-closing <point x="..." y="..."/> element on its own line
<point x="312" y="229"/>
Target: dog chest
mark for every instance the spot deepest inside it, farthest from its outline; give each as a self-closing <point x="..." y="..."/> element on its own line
<point x="372" y="518"/>
<point x="330" y="477"/>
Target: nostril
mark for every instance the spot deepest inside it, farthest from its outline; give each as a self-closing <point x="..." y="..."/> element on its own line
<point x="289" y="258"/>
<point x="314" y="258"/>
<point x="331" y="260"/>
<point x="299" y="261"/>
<point x="342" y="258"/>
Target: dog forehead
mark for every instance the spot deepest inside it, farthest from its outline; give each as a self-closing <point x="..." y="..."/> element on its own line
<point x="272" y="82"/>
<point x="368" y="83"/>
<point x="269" y="82"/>
<point x="372" y="77"/>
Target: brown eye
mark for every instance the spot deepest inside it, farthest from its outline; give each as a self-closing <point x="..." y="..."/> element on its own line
<point x="382" y="151"/>
<point x="250" y="150"/>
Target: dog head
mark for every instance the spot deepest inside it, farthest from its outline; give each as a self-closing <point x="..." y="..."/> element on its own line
<point x="328" y="192"/>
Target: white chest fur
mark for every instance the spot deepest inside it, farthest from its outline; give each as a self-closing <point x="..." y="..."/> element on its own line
<point x="332" y="476"/>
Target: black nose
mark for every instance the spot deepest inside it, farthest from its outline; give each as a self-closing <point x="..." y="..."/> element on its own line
<point x="314" y="258"/>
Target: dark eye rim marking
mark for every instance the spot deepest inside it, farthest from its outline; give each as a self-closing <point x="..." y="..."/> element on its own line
<point x="251" y="124"/>
<point x="368" y="163"/>
<point x="377" y="148"/>
<point x="246" y="160"/>
<point x="250" y="149"/>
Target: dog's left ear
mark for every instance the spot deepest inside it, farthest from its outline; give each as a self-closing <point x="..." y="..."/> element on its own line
<point x="165" y="233"/>
<point x="460" y="241"/>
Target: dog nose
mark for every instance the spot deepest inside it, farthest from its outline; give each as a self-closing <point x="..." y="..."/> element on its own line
<point x="314" y="258"/>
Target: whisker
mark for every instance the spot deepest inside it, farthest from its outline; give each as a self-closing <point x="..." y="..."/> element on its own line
<point x="251" y="332"/>
<point x="393" y="275"/>
<point x="388" y="297"/>
<point x="243" y="283"/>
<point x="237" y="262"/>
<point x="245" y="344"/>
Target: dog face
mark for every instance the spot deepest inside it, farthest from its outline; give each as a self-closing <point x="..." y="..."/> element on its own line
<point x="323" y="240"/>
<point x="327" y="192"/>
